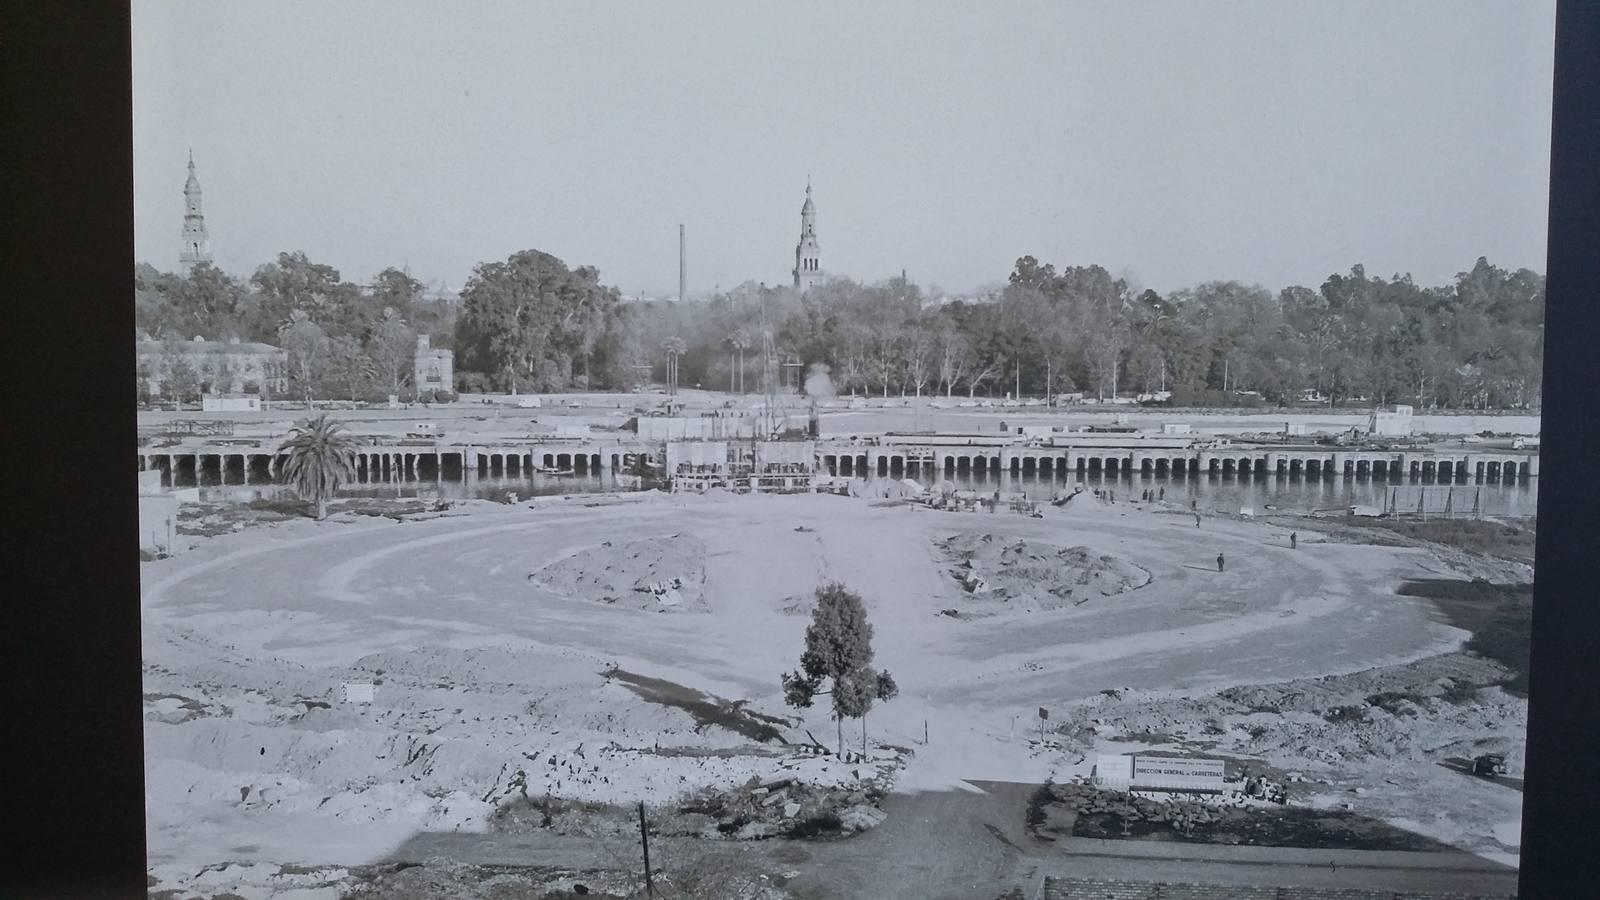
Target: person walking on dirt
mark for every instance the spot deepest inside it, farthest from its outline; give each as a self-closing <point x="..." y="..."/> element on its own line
<point x="1197" y="520"/>
<point x="1162" y="495"/>
<point x="1220" y="562"/>
<point x="1294" y="540"/>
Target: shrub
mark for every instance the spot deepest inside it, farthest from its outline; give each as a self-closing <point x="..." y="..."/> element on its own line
<point x="474" y="383"/>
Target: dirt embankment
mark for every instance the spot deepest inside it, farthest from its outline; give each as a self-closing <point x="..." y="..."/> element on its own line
<point x="720" y="873"/>
<point x="1420" y="712"/>
<point x="1481" y="581"/>
<point x="206" y="520"/>
<point x="1032" y="575"/>
<point x="716" y="872"/>
<point x="464" y="741"/>
<point x="1356" y="754"/>
<point x="1490" y="550"/>
<point x="1066" y="810"/>
<point x="664" y="574"/>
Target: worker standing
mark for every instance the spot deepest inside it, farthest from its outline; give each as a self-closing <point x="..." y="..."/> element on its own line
<point x="1197" y="520"/>
<point x="1294" y="540"/>
<point x="1219" y="562"/>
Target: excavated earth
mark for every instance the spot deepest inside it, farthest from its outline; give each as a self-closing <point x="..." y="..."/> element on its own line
<point x="1027" y="574"/>
<point x="662" y="574"/>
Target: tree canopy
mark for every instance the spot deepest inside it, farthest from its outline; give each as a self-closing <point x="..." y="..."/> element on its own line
<point x="532" y="323"/>
<point x="529" y="323"/>
<point x="1474" y="343"/>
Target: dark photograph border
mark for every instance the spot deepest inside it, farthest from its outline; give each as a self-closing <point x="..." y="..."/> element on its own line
<point x="75" y="801"/>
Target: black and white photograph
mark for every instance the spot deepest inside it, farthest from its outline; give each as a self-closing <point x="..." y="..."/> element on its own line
<point x="758" y="451"/>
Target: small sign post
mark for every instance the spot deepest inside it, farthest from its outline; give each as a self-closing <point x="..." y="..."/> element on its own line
<point x="1044" y="715"/>
<point x="644" y="839"/>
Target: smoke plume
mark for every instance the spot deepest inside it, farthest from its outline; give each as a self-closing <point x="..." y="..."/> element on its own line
<point x="818" y="385"/>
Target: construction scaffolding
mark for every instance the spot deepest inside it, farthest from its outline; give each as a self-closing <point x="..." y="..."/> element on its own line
<point x="1437" y="501"/>
<point x="742" y="466"/>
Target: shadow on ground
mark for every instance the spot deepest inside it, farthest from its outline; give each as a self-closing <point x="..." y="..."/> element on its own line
<point x="706" y="709"/>
<point x="1059" y="812"/>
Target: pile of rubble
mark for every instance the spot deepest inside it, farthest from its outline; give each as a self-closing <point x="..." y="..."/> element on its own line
<point x="780" y="807"/>
<point x="1034" y="575"/>
<point x="1183" y="813"/>
<point x="665" y="591"/>
<point x="633" y="573"/>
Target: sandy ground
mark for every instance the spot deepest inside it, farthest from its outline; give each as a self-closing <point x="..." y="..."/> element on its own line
<point x="489" y="684"/>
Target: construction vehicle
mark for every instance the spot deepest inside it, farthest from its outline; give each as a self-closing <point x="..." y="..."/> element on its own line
<point x="1489" y="765"/>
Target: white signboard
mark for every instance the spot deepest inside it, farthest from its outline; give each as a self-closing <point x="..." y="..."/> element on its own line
<point x="1173" y="773"/>
<point x="1113" y="770"/>
<point x="358" y="692"/>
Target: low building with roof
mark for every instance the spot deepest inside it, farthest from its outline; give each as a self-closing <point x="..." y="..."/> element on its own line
<point x="230" y="367"/>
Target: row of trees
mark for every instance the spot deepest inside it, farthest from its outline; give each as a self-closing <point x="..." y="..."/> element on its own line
<point x="527" y="324"/>
<point x="531" y="323"/>
<point x="344" y="340"/>
<point x="1477" y="342"/>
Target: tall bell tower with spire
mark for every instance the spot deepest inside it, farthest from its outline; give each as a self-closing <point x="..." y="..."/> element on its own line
<point x="196" y="245"/>
<point x="807" y="266"/>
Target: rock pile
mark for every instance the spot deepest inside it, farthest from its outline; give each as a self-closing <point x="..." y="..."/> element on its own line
<point x="1033" y="575"/>
<point x="1183" y="814"/>
<point x="663" y="573"/>
<point x="780" y="807"/>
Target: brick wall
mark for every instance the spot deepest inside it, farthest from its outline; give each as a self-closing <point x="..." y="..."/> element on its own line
<point x="1093" y="889"/>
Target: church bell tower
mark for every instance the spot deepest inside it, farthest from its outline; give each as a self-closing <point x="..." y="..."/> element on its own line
<point x="196" y="246"/>
<point x="807" y="267"/>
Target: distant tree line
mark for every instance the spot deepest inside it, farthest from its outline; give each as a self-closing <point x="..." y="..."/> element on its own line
<point x="527" y="324"/>
<point x="344" y="340"/>
<point x="531" y="323"/>
<point x="1475" y="343"/>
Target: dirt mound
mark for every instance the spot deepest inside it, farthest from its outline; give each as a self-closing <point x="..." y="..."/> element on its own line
<point x="1424" y="711"/>
<point x="1451" y="676"/>
<point x="1033" y="575"/>
<point x="665" y="574"/>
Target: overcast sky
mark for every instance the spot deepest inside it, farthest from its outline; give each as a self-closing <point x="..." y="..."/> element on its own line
<point x="1273" y="142"/>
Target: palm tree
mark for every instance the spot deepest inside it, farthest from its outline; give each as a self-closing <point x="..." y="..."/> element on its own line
<point x="740" y="340"/>
<point x="321" y="456"/>
<point x="674" y="348"/>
